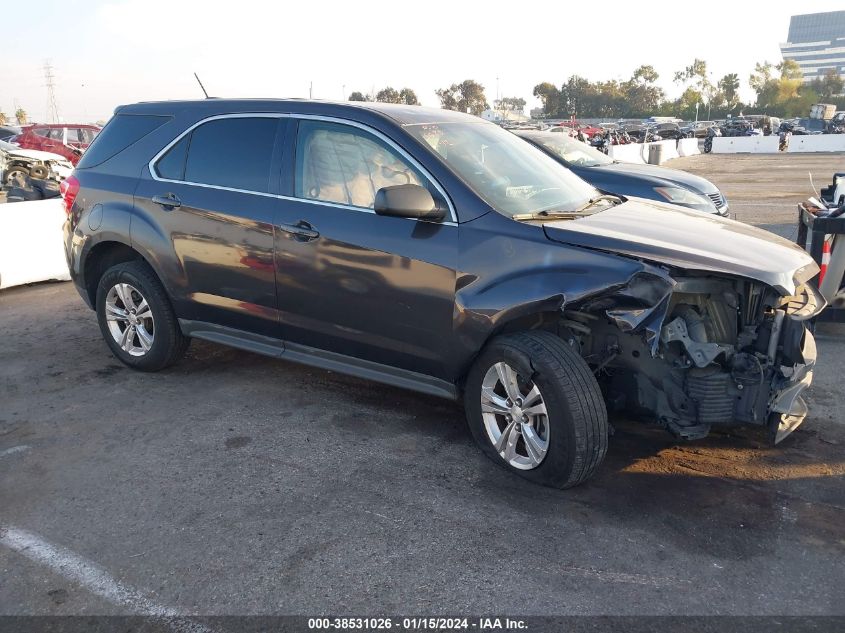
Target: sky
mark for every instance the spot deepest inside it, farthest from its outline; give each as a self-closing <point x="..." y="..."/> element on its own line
<point x="109" y="53"/>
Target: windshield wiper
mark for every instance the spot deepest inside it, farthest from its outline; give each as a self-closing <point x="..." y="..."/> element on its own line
<point x="549" y="215"/>
<point x="601" y="198"/>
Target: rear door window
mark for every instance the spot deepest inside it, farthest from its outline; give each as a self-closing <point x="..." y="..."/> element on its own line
<point x="74" y="135"/>
<point x="235" y="153"/>
<point x="87" y="135"/>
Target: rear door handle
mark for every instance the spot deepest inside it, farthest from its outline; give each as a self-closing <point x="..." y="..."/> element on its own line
<point x="301" y="231"/>
<point x="168" y="201"/>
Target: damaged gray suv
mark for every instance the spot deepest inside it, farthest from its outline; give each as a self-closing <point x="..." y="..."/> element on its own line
<point x="434" y="251"/>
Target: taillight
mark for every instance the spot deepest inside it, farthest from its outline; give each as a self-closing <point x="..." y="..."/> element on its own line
<point x="69" y="188"/>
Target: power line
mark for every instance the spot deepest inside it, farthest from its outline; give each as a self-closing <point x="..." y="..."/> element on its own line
<point x="50" y="83"/>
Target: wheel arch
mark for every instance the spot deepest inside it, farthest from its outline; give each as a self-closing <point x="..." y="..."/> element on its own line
<point x="102" y="256"/>
<point x="545" y="318"/>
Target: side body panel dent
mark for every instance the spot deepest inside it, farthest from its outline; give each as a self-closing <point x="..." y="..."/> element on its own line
<point x="509" y="270"/>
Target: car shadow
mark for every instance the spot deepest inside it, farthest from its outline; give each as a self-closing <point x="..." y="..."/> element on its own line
<point x="706" y="495"/>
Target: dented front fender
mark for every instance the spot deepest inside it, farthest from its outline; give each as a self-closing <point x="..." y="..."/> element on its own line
<point x="517" y="273"/>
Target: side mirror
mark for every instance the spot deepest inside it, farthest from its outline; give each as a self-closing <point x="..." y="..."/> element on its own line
<point x="407" y="201"/>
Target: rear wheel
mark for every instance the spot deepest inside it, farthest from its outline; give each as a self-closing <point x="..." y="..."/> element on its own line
<point x="136" y="318"/>
<point x="534" y="407"/>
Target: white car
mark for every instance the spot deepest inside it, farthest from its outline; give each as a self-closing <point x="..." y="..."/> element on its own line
<point x="29" y="162"/>
<point x="31" y="246"/>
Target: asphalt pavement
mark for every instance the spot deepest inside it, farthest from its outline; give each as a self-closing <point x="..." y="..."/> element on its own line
<point x="237" y="484"/>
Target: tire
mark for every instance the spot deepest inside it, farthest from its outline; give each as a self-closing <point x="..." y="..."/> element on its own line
<point x="24" y="195"/>
<point x="131" y="282"/>
<point x="16" y="169"/>
<point x="575" y="422"/>
<point x="47" y="188"/>
<point x="39" y="172"/>
<point x="708" y="145"/>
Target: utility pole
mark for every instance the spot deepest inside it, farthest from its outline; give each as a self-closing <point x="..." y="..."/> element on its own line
<point x="311" y="90"/>
<point x="343" y="90"/>
<point x="52" y="112"/>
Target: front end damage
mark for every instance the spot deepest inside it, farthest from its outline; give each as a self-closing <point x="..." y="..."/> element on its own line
<point x="694" y="352"/>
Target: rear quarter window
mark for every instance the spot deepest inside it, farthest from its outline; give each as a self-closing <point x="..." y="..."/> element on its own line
<point x="120" y="132"/>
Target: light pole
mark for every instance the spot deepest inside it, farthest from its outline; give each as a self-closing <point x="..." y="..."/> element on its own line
<point x="697" y="103"/>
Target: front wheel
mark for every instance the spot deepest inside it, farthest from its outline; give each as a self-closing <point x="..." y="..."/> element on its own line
<point x="136" y="318"/>
<point x="708" y="145"/>
<point x="534" y="407"/>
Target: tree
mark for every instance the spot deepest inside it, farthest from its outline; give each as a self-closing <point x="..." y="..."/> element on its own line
<point x="388" y="95"/>
<point x="791" y="80"/>
<point x="696" y="76"/>
<point x="641" y="95"/>
<point x="467" y="96"/>
<point x="550" y="96"/>
<point x="828" y="85"/>
<point x="729" y="88"/>
<point x="761" y="76"/>
<point x="696" y="70"/>
<point x="645" y="75"/>
<point x="686" y="104"/>
<point x="781" y="93"/>
<point x="358" y="96"/>
<point x="573" y="95"/>
<point x="21" y="116"/>
<point x="511" y="104"/>
<point x="408" y="97"/>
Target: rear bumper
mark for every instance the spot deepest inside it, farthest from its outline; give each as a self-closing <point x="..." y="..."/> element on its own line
<point x="73" y="254"/>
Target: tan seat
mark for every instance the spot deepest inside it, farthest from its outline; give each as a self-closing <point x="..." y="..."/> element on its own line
<point x="349" y="169"/>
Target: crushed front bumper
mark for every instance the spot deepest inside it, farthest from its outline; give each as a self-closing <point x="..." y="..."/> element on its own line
<point x="787" y="409"/>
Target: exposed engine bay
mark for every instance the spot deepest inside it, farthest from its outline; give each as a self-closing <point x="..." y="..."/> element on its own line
<point x="694" y="352"/>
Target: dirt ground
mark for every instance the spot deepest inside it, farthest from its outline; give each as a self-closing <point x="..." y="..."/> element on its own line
<point x="237" y="484"/>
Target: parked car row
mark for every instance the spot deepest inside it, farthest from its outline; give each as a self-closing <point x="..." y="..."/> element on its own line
<point x="640" y="131"/>
<point x="431" y="250"/>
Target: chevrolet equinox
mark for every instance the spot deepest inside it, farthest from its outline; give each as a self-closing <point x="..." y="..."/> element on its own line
<point x="434" y="251"/>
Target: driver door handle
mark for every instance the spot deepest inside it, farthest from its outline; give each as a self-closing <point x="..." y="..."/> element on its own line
<point x="301" y="231"/>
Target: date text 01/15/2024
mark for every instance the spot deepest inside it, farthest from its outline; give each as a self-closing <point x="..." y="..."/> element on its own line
<point x="417" y="624"/>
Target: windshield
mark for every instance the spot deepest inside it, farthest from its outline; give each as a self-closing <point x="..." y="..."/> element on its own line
<point x="505" y="171"/>
<point x="572" y="151"/>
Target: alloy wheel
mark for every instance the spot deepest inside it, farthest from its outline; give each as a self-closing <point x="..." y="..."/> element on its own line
<point x="130" y="319"/>
<point x="515" y="417"/>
